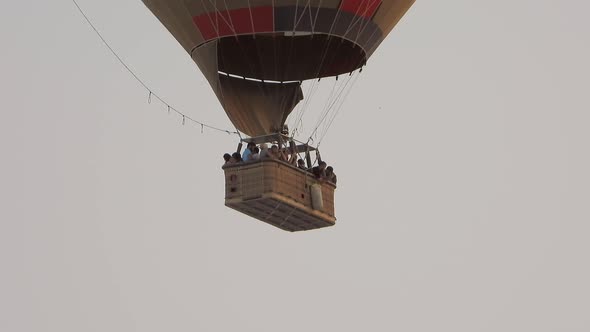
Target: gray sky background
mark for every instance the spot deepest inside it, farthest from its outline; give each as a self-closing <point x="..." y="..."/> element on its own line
<point x="463" y="164"/>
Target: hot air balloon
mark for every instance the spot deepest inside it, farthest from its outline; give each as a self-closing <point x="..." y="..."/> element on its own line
<point x="255" y="55"/>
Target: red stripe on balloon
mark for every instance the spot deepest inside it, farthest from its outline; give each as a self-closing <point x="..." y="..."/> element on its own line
<point x="364" y="8"/>
<point x="236" y="21"/>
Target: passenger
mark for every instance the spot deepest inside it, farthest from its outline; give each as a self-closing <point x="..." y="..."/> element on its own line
<point x="255" y="156"/>
<point x="320" y="171"/>
<point x="226" y="158"/>
<point x="301" y="164"/>
<point x="283" y="155"/>
<point x="248" y="151"/>
<point x="330" y="175"/>
<point x="263" y="151"/>
<point x="273" y="152"/>
<point x="237" y="158"/>
<point x="293" y="157"/>
<point x="285" y="130"/>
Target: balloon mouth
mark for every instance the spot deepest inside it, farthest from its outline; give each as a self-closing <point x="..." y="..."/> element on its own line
<point x="288" y="56"/>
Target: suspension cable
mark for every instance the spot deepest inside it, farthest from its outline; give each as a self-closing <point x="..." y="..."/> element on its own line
<point x="142" y="83"/>
<point x="337" y="110"/>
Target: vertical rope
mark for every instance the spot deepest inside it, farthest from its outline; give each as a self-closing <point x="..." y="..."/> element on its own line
<point x="233" y="28"/>
<point x="337" y="110"/>
<point x="209" y="16"/>
<point x="251" y="19"/>
<point x="219" y="15"/>
<point x="361" y="30"/>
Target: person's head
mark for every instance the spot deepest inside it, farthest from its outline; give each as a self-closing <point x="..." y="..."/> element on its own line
<point x="274" y="149"/>
<point x="237" y="156"/>
<point x="226" y="157"/>
<point x="251" y="146"/>
<point x="329" y="170"/>
<point x="323" y="165"/>
<point x="256" y="150"/>
<point x="301" y="163"/>
<point x="285" y="130"/>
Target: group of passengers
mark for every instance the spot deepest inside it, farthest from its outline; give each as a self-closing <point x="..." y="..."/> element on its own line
<point x="254" y="153"/>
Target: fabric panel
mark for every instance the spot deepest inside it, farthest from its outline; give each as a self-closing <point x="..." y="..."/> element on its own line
<point x="287" y="58"/>
<point x="235" y="22"/>
<point x="206" y="58"/>
<point x="387" y="17"/>
<point x="257" y="108"/>
<point x="177" y="20"/>
<point x="363" y="8"/>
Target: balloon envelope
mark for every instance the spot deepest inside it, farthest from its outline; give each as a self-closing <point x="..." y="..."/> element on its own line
<point x="255" y="53"/>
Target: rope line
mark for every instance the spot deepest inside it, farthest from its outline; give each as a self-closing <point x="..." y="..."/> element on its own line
<point x="338" y="109"/>
<point x="335" y="105"/>
<point x="144" y="85"/>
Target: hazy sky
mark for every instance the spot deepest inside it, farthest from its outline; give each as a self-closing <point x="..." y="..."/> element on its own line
<point x="462" y="156"/>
